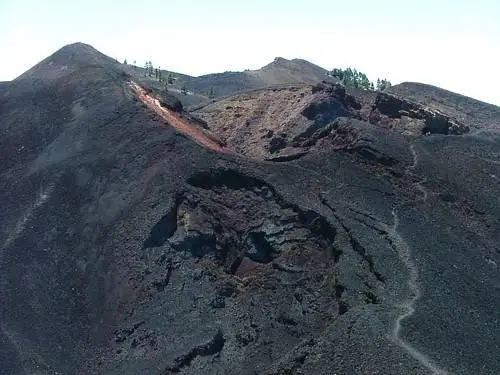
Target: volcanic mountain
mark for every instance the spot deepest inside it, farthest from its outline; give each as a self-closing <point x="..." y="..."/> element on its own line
<point x="299" y="229"/>
<point x="280" y="72"/>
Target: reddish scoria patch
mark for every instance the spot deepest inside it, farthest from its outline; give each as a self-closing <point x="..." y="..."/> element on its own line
<point x="183" y="126"/>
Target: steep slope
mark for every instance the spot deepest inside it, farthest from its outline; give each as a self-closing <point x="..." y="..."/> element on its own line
<point x="66" y="61"/>
<point x="127" y="246"/>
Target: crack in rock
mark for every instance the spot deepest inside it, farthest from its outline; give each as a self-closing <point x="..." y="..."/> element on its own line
<point x="357" y="247"/>
<point x="212" y="347"/>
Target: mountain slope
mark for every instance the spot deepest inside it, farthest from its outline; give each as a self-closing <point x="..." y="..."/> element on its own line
<point x="127" y="247"/>
<point x="67" y="60"/>
<point x="278" y="73"/>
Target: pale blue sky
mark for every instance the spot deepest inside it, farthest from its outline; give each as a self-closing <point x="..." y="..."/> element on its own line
<point x="452" y="44"/>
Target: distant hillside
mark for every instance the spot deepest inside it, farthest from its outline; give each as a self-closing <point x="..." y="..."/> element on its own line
<point x="279" y="72"/>
<point x="282" y="71"/>
<point x="224" y="83"/>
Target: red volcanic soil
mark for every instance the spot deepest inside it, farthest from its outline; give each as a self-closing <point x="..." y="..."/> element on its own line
<point x="191" y="130"/>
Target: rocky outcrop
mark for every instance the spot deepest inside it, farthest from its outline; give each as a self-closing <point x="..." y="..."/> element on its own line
<point x="171" y="102"/>
<point x="331" y="102"/>
<point x="233" y="217"/>
<point x="389" y="109"/>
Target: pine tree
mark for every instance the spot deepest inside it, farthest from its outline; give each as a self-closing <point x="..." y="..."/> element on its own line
<point x="351" y="77"/>
<point x="383" y="84"/>
<point x="170" y="79"/>
<point x="184" y="89"/>
<point x="125" y="62"/>
<point x="150" y="68"/>
<point x="211" y="93"/>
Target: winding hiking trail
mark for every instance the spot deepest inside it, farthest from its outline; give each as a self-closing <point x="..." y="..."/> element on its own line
<point x="420" y="184"/>
<point x="193" y="131"/>
<point x="408" y="307"/>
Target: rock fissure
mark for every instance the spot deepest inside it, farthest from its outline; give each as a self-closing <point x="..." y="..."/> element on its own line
<point x="211" y="348"/>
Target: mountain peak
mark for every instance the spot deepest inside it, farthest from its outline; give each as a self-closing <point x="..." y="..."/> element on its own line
<point x="284" y="71"/>
<point x="78" y="47"/>
<point x="66" y="60"/>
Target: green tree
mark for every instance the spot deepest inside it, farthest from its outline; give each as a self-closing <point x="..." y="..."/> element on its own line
<point x="184" y="89"/>
<point x="338" y="73"/>
<point x="383" y="84"/>
<point x="364" y="82"/>
<point x="211" y="93"/>
<point x="170" y="79"/>
<point x="150" y="68"/>
<point x="125" y="61"/>
<point x="351" y="77"/>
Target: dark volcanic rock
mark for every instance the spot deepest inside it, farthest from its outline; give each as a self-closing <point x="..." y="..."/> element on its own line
<point x="332" y="103"/>
<point x="171" y="102"/>
<point x="127" y="248"/>
<point x="277" y="143"/>
<point x="431" y="120"/>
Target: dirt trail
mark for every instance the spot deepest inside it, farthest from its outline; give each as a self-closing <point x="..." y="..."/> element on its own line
<point x="193" y="131"/>
<point x="408" y="307"/>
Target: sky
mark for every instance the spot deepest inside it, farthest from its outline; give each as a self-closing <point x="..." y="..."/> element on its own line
<point x="451" y="44"/>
